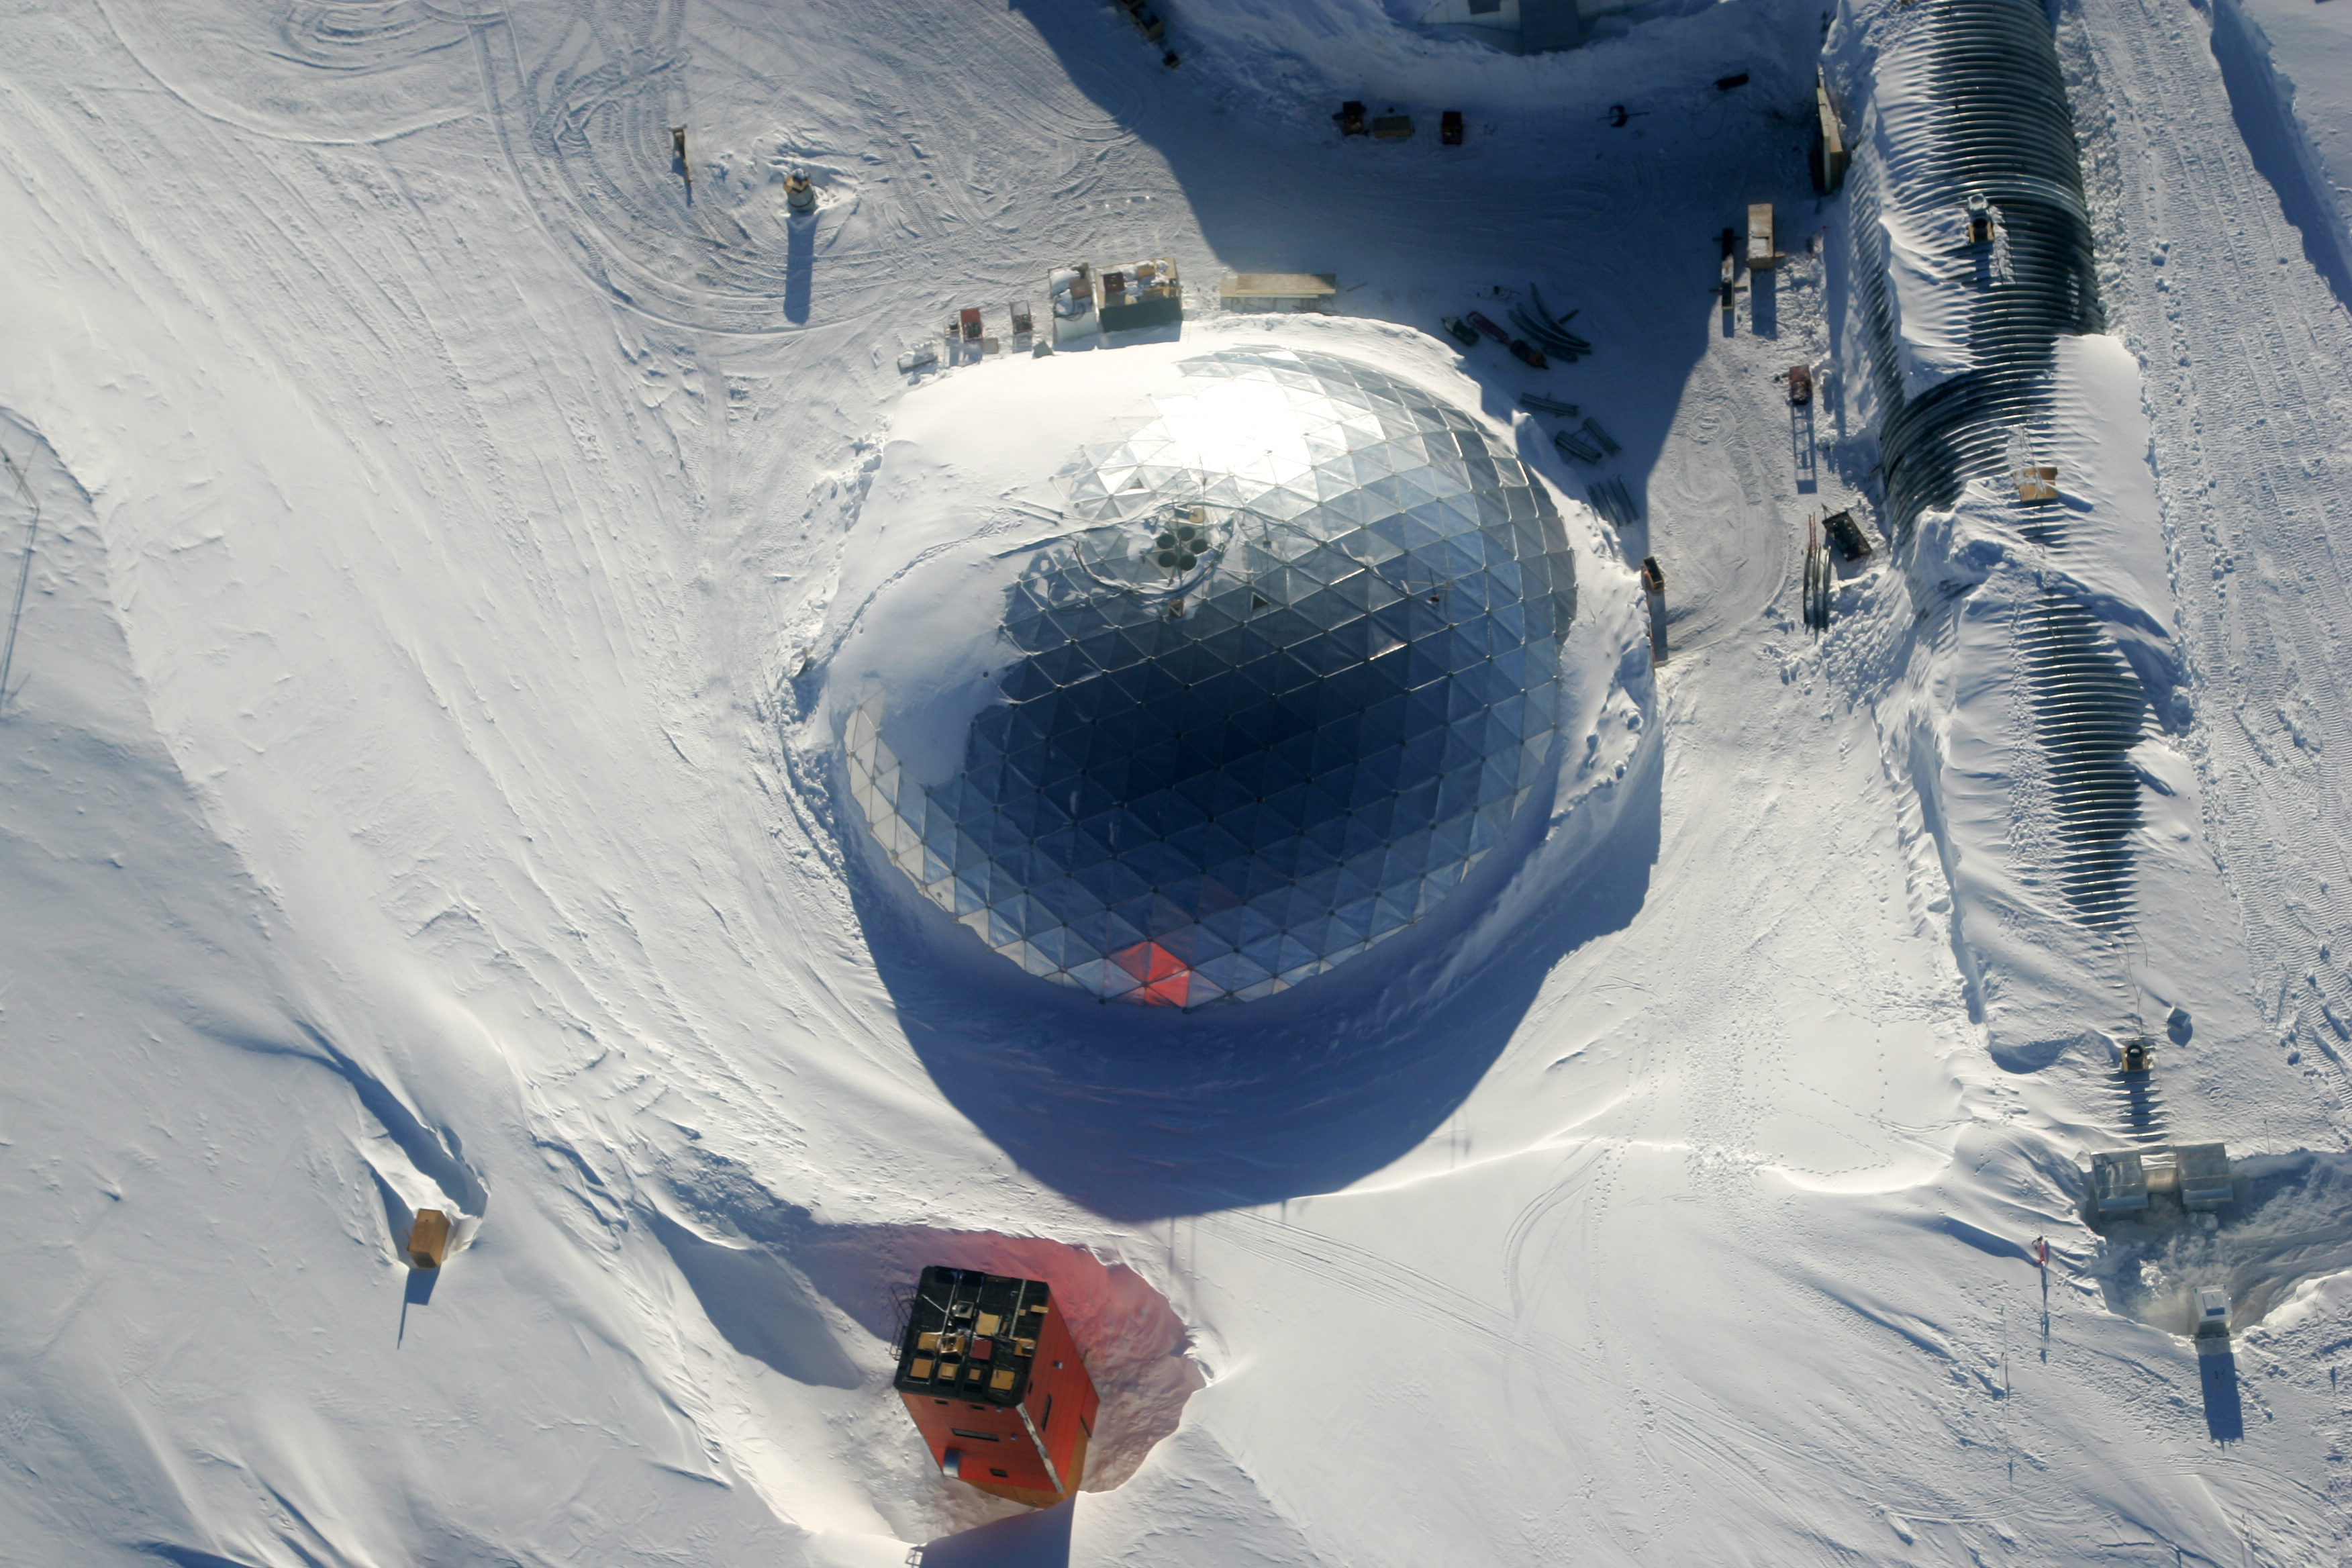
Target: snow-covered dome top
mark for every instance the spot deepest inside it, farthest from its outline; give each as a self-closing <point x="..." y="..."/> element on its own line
<point x="1288" y="671"/>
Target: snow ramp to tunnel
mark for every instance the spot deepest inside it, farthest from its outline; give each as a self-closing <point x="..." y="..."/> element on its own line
<point x="1968" y="115"/>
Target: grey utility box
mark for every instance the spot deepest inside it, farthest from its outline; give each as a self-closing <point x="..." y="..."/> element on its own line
<point x="2119" y="1181"/>
<point x="2204" y="1176"/>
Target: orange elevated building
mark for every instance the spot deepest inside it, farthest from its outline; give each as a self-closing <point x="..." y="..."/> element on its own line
<point x="996" y="1384"/>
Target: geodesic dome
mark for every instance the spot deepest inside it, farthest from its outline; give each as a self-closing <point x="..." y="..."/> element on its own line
<point x="1289" y="674"/>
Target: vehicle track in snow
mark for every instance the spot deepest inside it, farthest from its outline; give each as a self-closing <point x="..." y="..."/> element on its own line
<point x="1720" y="503"/>
<point x="2235" y="333"/>
<point x="294" y="71"/>
<point x="585" y="113"/>
<point x="1695" y="1456"/>
<point x="1699" y="1449"/>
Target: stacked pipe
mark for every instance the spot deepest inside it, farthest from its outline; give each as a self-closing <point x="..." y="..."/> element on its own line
<point x="1574" y="449"/>
<point x="1546" y="331"/>
<point x="1615" y="503"/>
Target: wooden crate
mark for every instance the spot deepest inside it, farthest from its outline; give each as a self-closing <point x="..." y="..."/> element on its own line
<point x="1310" y="289"/>
<point x="429" y="1240"/>
<point x="1761" y="253"/>
<point x="1830" y="153"/>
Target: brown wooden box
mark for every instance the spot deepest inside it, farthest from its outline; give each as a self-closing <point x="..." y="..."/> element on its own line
<point x="429" y="1240"/>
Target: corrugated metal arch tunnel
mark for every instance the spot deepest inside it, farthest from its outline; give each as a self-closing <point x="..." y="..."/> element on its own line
<point x="1993" y="123"/>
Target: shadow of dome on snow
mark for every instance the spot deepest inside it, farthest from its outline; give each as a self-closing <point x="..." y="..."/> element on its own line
<point x="1141" y="1113"/>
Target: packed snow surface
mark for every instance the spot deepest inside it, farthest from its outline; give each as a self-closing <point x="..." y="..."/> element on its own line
<point x="2288" y="69"/>
<point x="417" y="794"/>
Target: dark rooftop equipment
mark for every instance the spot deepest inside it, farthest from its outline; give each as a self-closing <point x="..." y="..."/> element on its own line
<point x="1846" y="534"/>
<point x="1146" y="22"/>
<point x="996" y="1386"/>
<point x="1350" y="119"/>
<point x="1449" y="128"/>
